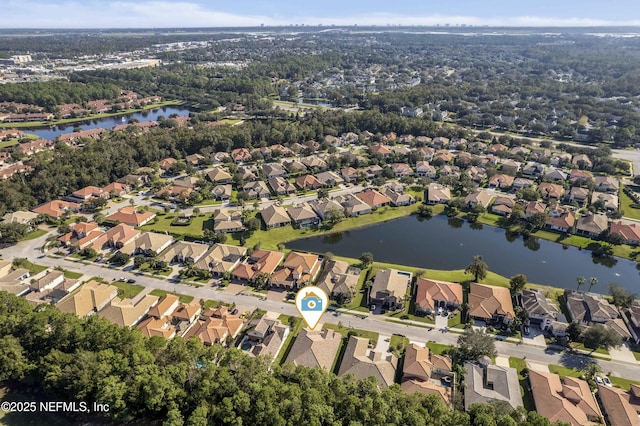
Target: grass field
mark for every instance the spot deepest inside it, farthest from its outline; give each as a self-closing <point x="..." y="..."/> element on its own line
<point x="564" y="371"/>
<point x="72" y="275"/>
<point x="371" y="335"/>
<point x="184" y="298"/>
<point x="625" y="205"/>
<point x="623" y="383"/>
<point x="126" y="290"/>
<point x="31" y="267"/>
<point x="581" y="346"/>
<point x="438" y="348"/>
<point x="34" y="234"/>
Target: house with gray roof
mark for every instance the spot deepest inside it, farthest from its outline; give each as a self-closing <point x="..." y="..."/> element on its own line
<point x="338" y="279"/>
<point x="485" y="382"/>
<point x="315" y="349"/>
<point x="362" y="362"/>
<point x="541" y="310"/>
<point x="303" y="215"/>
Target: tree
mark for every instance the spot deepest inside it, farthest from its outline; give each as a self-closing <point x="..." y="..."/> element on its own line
<point x="478" y="268"/>
<point x="333" y="216"/>
<point x="120" y="258"/>
<point x="574" y="330"/>
<point x="253" y="224"/>
<point x="13" y="232"/>
<point x="517" y="283"/>
<point x="592" y="281"/>
<point x="323" y="193"/>
<point x="474" y="344"/>
<point x="622" y="297"/>
<point x="599" y="336"/>
<point x="581" y="281"/>
<point x="425" y="211"/>
<point x="537" y="220"/>
<point x="366" y="259"/>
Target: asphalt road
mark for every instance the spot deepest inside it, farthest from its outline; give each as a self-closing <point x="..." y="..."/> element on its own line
<point x="31" y="251"/>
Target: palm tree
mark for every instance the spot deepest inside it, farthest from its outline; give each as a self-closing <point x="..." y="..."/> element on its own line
<point x="592" y="281"/>
<point x="581" y="281"/>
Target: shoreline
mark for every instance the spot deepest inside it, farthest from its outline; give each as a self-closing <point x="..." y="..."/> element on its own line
<point x="40" y="125"/>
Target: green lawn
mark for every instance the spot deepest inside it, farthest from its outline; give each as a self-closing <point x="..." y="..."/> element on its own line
<point x="581" y="346"/>
<point x="359" y="301"/>
<point x="636" y="355"/>
<point x="72" y="275"/>
<point x="625" y="205"/>
<point x="564" y="371"/>
<point x="196" y="227"/>
<point x="31" y="267"/>
<point x="527" y="398"/>
<point x="35" y="234"/>
<point x="398" y="344"/>
<point x="126" y="290"/>
<point x="184" y="298"/>
<point x="371" y="335"/>
<point x="623" y="383"/>
<point x="438" y="348"/>
<point x="456" y="321"/>
<point x="295" y="323"/>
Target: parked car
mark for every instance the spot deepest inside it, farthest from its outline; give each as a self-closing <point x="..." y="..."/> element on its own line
<point x="131" y="281"/>
<point x="526" y="330"/>
<point x="599" y="380"/>
<point x="606" y="381"/>
<point x="373" y="307"/>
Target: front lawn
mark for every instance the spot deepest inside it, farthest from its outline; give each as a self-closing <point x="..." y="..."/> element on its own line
<point x="126" y="290"/>
<point x="398" y="344"/>
<point x="184" y="298"/>
<point x="527" y="398"/>
<point x="438" y="348"/>
<point x="564" y="371"/>
<point x="345" y="331"/>
<point x="581" y="346"/>
<point x="164" y="223"/>
<point x="31" y="267"/>
<point x="35" y="234"/>
<point x="625" y="205"/>
<point x="623" y="383"/>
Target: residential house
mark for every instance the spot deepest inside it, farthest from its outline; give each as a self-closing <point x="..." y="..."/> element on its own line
<point x="329" y="179"/>
<point x="339" y="280"/>
<point x="569" y="400"/>
<point x="219" y="175"/>
<point x="631" y="316"/>
<point x="520" y="183"/>
<point x="352" y="205"/>
<point x="260" y="261"/>
<point x="308" y="182"/>
<point x="294" y="166"/>
<point x="437" y="194"/>
<point x="216" y="326"/>
<point x="374" y="198"/>
<point x="116" y="189"/>
<point x="476" y="174"/>
<point x="401" y="169"/>
<point x="434" y="294"/>
<point x="497" y="148"/>
<point x="21" y="217"/>
<point x="560" y="159"/>
<point x="541" y="311"/>
<point x="166" y="163"/>
<point x="501" y="181"/>
<point x="222" y="192"/>
<point x="56" y="208"/>
<point x="325" y="207"/>
<point x="89" y="299"/>
<point x="88" y="192"/>
<point x="13" y="281"/>
<point x="239" y="155"/>
<point x="426" y="152"/>
<point x="362" y="362"/>
<point x="298" y="269"/>
<point x="275" y="216"/>
<point x="33" y="147"/>
<point x="221" y="258"/>
<point x="373" y="171"/>
<point x="270" y="335"/>
<point x="490" y="303"/>
<point x="184" y="252"/>
<point x="605" y="200"/>
<point x="533" y="207"/>
<point x="480" y="198"/>
<point x="540" y="154"/>
<point x="303" y="215"/>
<point x="424" y="169"/>
<point x="577" y="175"/>
<point x="281" y="186"/>
<point x="578" y="195"/>
<point x="389" y="289"/>
<point x="423" y="372"/>
<point x="589" y="308"/>
<point x="349" y="174"/>
<point x="511" y="167"/>
<point x="190" y="182"/>
<point x="315" y="349"/>
<point x="560" y="219"/>
<point x="165" y="306"/>
<point x="117" y="237"/>
<point x="272" y="170"/>
<point x="314" y="163"/>
<point x="621" y="407"/>
<point x="608" y="184"/>
<point x="49" y="289"/>
<point x="175" y="193"/>
<point x="79" y="232"/>
<point x="582" y="161"/>
<point x="503" y="206"/>
<point x="533" y="169"/>
<point x="520" y="151"/>
<point x="133" y="180"/>
<point x="551" y="191"/>
<point x="398" y="198"/>
<point x="131" y="216"/>
<point x="440" y="142"/>
<point x="257" y="189"/>
<point x="148" y="244"/>
<point x="195" y="159"/>
<point x="381" y="150"/>
<point x="126" y="313"/>
<point x="485" y="382"/>
<point x="443" y="155"/>
<point x="248" y="172"/>
<point x="157" y="327"/>
<point x="51" y="280"/>
<point x="630" y="233"/>
<point x="592" y="225"/>
<point x="555" y="175"/>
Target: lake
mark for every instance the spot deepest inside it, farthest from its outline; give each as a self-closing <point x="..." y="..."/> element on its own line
<point x="442" y="243"/>
<point x="108" y="122"/>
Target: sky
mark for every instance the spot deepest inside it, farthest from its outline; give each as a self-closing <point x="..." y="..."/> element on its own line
<point x="226" y="13"/>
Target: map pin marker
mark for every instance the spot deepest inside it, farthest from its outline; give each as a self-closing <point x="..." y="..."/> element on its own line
<point x="312" y="302"/>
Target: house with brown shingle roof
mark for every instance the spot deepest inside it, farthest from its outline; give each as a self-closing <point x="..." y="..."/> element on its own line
<point x="569" y="400"/>
<point x="362" y="362"/>
<point x="167" y="163"/>
<point x="349" y="174"/>
<point x="490" y="303"/>
<point x="260" y="261"/>
<point x="338" y="279"/>
<point x="607" y="184"/>
<point x="551" y="191"/>
<point x="389" y="288"/>
<point x="240" y="154"/>
<point x="275" y="216"/>
<point x="148" y="243"/>
<point x="592" y="225"/>
<point x="630" y="233"/>
<point x="132" y="216"/>
<point x="219" y="176"/>
<point x="257" y="189"/>
<point x="479" y="198"/>
<point x="533" y="207"/>
<point x="121" y="235"/>
<point x="56" y="208"/>
<point x="433" y="294"/>
<point x="216" y="327"/>
<point x="221" y="258"/>
<point x="160" y="327"/>
<point x="503" y="206"/>
<point x="352" y="205"/>
<point x="501" y="181"/>
<point x="303" y="215"/>
<point x="560" y="219"/>
<point x="308" y="182"/>
<point x="184" y="252"/>
<point x="621" y="408"/>
<point x="297" y="269"/>
<point x="281" y="186"/>
<point x="422" y="372"/>
<point x="380" y="149"/>
<point x="325" y="206"/>
<point x="373" y="198"/>
<point x="437" y="194"/>
<point x="315" y="349"/>
<point x="126" y="313"/>
<point x="165" y="306"/>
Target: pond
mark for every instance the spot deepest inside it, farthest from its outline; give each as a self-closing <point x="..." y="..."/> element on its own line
<point x="108" y="122"/>
<point x="442" y="243"/>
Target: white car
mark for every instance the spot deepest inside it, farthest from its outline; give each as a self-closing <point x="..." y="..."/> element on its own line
<point x="599" y="380"/>
<point x="606" y="381"/>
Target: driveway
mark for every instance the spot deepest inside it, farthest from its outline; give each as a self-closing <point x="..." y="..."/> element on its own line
<point x="535" y="337"/>
<point x="383" y="344"/>
<point x="441" y="322"/>
<point x="623" y="353"/>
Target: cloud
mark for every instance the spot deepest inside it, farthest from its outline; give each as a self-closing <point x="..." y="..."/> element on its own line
<point x="163" y="14"/>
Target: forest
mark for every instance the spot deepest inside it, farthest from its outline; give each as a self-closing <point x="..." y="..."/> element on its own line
<point x="56" y="356"/>
<point x="51" y="93"/>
